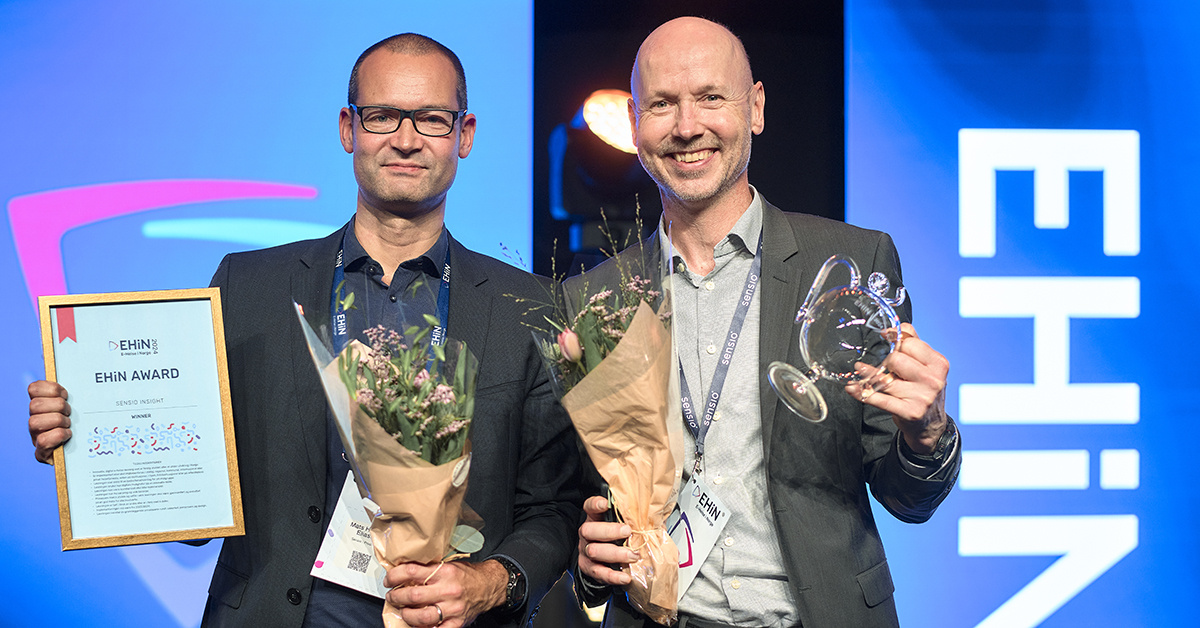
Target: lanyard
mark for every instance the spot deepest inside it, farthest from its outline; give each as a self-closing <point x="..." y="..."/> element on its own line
<point x="699" y="428"/>
<point x="341" y="332"/>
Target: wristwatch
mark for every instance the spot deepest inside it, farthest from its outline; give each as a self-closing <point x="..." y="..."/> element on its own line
<point x="926" y="466"/>
<point x="515" y="592"/>
<point x="946" y="442"/>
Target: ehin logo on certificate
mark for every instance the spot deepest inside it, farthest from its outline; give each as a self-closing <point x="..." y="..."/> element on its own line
<point x="135" y="346"/>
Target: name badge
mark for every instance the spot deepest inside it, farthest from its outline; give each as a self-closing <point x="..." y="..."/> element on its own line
<point x="695" y="526"/>
<point x="347" y="556"/>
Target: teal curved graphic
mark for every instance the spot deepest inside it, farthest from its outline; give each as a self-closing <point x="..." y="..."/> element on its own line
<point x="257" y="232"/>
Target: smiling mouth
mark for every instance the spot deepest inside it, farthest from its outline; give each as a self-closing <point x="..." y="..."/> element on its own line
<point x="694" y="156"/>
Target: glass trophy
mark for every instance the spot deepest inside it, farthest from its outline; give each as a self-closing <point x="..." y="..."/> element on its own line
<point x="840" y="330"/>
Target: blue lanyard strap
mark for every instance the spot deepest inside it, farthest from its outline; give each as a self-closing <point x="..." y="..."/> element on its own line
<point x="699" y="427"/>
<point x="438" y="337"/>
<point x="341" y="331"/>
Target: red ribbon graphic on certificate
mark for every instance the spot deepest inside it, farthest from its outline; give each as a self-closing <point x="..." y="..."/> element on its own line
<point x="66" y="323"/>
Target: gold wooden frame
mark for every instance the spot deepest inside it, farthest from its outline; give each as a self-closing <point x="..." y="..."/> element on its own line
<point x="213" y="296"/>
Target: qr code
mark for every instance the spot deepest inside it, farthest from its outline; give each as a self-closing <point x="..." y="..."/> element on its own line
<point x="359" y="561"/>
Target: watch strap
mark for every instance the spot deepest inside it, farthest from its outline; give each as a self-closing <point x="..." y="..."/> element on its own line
<point x="516" y="588"/>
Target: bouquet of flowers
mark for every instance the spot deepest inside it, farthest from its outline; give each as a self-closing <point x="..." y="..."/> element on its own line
<point x="613" y="362"/>
<point x="406" y="389"/>
<point x="596" y="329"/>
<point x="403" y="406"/>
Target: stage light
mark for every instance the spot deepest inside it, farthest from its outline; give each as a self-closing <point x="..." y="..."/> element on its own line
<point x="596" y="182"/>
<point x="606" y="113"/>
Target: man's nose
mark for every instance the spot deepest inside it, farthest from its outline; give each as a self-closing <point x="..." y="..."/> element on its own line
<point x="687" y="120"/>
<point x="406" y="139"/>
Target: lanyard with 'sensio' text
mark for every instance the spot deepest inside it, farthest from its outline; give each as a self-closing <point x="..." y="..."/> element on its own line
<point x="341" y="332"/>
<point x="699" y="427"/>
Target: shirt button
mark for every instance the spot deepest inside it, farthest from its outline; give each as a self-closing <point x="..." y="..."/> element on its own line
<point x="393" y="298"/>
<point x="729" y="541"/>
<point x="708" y="285"/>
<point x="711" y="349"/>
<point x="735" y="583"/>
<point x="718" y="480"/>
<point x="293" y="596"/>
<point x="314" y="514"/>
<point x="717" y="416"/>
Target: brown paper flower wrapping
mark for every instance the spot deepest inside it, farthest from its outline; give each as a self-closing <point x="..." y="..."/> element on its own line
<point x="622" y="411"/>
<point x="420" y="504"/>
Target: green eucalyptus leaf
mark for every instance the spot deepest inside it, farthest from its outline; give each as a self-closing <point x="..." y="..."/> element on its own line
<point x="466" y="540"/>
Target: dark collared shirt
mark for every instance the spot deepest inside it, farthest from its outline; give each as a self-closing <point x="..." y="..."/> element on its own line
<point x="412" y="293"/>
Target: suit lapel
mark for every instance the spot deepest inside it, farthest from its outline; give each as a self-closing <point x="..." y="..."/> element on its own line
<point x="312" y="281"/>
<point x="782" y="281"/>
<point x="470" y="305"/>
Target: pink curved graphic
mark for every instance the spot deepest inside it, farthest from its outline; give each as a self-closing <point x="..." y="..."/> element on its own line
<point x="40" y="220"/>
<point x="687" y="535"/>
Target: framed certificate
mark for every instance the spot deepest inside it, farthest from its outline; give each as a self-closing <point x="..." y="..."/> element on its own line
<point x="152" y="455"/>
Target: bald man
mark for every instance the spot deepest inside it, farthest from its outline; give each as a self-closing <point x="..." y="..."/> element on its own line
<point x="800" y="547"/>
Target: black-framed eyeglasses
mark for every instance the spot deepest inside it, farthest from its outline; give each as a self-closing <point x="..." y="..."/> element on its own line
<point x="429" y="122"/>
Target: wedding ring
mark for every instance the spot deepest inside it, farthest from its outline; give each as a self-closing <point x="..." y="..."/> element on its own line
<point x="441" y="617"/>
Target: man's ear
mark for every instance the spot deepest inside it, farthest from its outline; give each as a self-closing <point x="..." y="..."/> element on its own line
<point x="757" y="107"/>
<point x="632" y="120"/>
<point x="346" y="129"/>
<point x="466" y="138"/>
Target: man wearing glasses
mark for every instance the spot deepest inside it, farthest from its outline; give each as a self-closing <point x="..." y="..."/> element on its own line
<point x="406" y="126"/>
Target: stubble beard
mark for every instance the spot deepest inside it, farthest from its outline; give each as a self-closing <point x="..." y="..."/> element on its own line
<point x="400" y="195"/>
<point x="657" y="166"/>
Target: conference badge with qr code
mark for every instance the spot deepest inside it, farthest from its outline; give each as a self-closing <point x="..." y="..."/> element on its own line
<point x="347" y="556"/>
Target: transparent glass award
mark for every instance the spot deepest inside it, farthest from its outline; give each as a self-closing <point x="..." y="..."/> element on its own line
<point x="840" y="329"/>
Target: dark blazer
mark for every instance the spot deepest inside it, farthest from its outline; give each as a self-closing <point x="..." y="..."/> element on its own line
<point x="818" y="473"/>
<point x="524" y="471"/>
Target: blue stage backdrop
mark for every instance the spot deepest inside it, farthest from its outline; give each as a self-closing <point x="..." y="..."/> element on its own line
<point x="1032" y="161"/>
<point x="142" y="142"/>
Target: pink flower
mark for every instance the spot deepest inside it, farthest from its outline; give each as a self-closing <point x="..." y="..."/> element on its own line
<point x="379" y="365"/>
<point x="425" y="422"/>
<point x="420" y="378"/>
<point x="367" y="399"/>
<point x="453" y="428"/>
<point x="568" y="342"/>
<point x="442" y="394"/>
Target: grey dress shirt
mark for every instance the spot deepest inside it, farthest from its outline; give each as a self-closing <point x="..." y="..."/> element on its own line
<point x="743" y="580"/>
